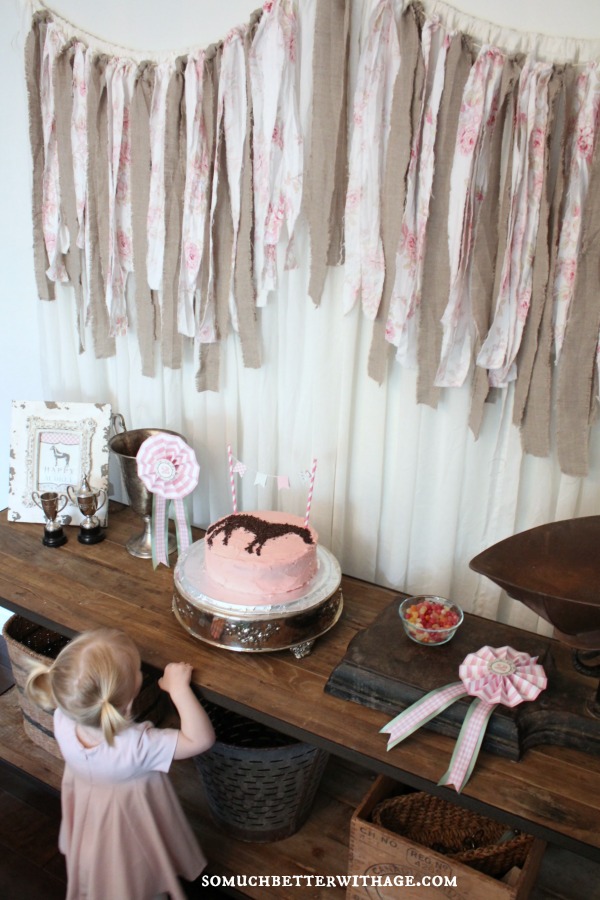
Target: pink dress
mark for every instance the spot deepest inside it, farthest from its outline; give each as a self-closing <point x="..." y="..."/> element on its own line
<point x="123" y="831"/>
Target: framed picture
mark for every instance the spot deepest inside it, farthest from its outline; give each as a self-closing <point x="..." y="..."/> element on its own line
<point x="52" y="446"/>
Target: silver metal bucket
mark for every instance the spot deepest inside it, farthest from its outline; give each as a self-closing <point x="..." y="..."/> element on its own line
<point x="125" y="445"/>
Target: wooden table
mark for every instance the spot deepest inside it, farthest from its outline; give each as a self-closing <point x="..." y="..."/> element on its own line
<point x="552" y="792"/>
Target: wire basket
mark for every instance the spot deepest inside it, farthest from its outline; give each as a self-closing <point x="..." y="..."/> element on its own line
<point x="28" y="644"/>
<point x="260" y="785"/>
<point x="458" y="833"/>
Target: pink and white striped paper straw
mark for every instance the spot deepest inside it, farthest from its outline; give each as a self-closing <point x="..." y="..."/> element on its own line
<point x="232" y="478"/>
<point x="310" y="492"/>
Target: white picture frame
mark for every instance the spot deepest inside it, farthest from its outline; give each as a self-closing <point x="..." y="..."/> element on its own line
<point x="53" y="445"/>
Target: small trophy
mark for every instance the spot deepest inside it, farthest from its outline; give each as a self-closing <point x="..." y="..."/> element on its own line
<point x="51" y="505"/>
<point x="89" y="502"/>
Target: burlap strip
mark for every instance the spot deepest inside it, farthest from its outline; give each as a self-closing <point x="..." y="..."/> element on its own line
<point x="63" y="92"/>
<point x="489" y="245"/>
<point x="576" y="368"/>
<point x="243" y="279"/>
<point x="536" y="421"/>
<point x="147" y="318"/>
<point x="97" y="208"/>
<point x="174" y="174"/>
<point x="33" y="66"/>
<point x="222" y="247"/>
<point x="329" y="68"/>
<point x="406" y="98"/>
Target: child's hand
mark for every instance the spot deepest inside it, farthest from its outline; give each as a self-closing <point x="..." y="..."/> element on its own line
<point x="176" y="676"/>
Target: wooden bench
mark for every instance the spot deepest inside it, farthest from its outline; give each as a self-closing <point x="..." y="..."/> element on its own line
<point x="553" y="792"/>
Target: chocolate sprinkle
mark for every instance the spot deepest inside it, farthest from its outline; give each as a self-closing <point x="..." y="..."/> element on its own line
<point x="262" y="530"/>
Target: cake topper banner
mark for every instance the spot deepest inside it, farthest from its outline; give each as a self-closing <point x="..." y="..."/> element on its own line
<point x="492" y="676"/>
<point x="237" y="467"/>
<point x="169" y="469"/>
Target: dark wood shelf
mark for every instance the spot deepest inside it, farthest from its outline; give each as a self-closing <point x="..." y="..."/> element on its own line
<point x="552" y="792"/>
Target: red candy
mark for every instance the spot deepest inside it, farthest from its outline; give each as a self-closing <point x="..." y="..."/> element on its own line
<point x="430" y="614"/>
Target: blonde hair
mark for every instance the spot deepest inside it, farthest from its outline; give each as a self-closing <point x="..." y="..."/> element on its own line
<point x="93" y="681"/>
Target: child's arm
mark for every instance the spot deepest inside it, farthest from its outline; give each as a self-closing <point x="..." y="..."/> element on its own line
<point x="196" y="733"/>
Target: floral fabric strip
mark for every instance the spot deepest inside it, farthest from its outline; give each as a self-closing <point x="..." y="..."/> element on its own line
<point x="502" y="343"/>
<point x="195" y="198"/>
<point x="232" y="94"/>
<point x="156" y="205"/>
<point x="584" y="133"/>
<point x="230" y="128"/>
<point x="79" y="135"/>
<point x="402" y="323"/>
<point x="378" y="67"/>
<point x="120" y="76"/>
<point x="278" y="144"/>
<point x="467" y="189"/>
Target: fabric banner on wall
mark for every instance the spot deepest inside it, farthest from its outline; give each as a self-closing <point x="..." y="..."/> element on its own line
<point x="457" y="183"/>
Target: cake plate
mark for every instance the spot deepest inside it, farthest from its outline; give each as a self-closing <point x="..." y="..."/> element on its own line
<point x="243" y="622"/>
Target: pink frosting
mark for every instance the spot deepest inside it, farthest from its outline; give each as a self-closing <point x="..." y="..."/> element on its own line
<point x="285" y="562"/>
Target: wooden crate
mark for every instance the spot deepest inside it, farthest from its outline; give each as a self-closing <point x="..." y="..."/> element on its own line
<point x="375" y="851"/>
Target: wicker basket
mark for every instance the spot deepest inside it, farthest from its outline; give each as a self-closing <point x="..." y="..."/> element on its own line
<point x="458" y="833"/>
<point x="27" y="644"/>
<point x="260" y="785"/>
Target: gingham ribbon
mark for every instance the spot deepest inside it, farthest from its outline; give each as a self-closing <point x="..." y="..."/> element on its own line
<point x="169" y="469"/>
<point x="492" y="676"/>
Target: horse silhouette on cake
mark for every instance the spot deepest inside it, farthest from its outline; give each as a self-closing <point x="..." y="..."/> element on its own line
<point x="262" y="530"/>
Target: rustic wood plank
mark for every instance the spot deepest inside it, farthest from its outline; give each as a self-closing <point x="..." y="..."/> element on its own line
<point x="25" y="829"/>
<point x="19" y="878"/>
<point x="552" y="791"/>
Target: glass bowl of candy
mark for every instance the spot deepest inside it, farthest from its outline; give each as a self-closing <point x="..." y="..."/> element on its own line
<point x="430" y="620"/>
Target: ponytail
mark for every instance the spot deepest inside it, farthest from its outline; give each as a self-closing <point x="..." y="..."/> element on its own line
<point x="38" y="687"/>
<point x="94" y="680"/>
<point x="112" y="722"/>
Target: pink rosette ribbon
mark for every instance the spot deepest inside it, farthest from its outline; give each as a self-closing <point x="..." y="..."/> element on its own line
<point x="492" y="676"/>
<point x="169" y="469"/>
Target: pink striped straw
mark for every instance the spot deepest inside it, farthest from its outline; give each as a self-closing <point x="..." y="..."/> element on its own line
<point x="232" y="478"/>
<point x="310" y="491"/>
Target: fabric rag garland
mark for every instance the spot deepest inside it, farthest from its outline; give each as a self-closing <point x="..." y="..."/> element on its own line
<point x="492" y="676"/>
<point x="169" y="469"/>
<point x="461" y="195"/>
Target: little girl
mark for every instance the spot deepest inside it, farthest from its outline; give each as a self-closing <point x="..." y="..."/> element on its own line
<point x="123" y="832"/>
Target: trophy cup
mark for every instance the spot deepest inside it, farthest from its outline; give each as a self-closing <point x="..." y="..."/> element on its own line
<point x="50" y="504"/>
<point x="89" y="502"/>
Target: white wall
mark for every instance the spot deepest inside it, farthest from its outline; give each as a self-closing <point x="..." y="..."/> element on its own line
<point x="557" y="18"/>
<point x="142" y="25"/>
<point x="138" y="24"/>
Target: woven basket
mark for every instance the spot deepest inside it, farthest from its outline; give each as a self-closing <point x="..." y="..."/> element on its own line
<point x="260" y="785"/>
<point x="456" y="832"/>
<point x="27" y="644"/>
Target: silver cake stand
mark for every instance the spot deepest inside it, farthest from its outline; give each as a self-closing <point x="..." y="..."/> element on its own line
<point x="240" y="622"/>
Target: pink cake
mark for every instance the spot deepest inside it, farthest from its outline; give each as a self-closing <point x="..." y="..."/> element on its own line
<point x="261" y="553"/>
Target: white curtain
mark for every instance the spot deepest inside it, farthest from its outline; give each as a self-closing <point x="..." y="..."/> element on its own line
<point x="404" y="496"/>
